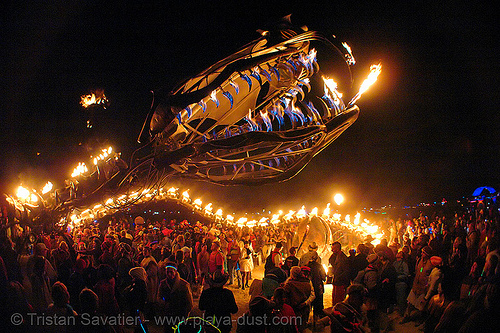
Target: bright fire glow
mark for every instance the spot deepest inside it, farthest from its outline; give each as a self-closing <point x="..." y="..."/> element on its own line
<point x="375" y="71"/>
<point x="94" y="98"/>
<point x="80" y="169"/>
<point x="47" y="188"/>
<point x="338" y="198"/>
<point x="326" y="212"/>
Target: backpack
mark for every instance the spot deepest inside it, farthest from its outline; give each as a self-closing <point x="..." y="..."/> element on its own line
<point x="269" y="262"/>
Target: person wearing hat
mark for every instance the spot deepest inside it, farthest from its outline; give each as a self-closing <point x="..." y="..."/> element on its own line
<point x="317" y="275"/>
<point x="312" y="249"/>
<point x="299" y="293"/>
<point x="347" y="316"/>
<point x="136" y="294"/>
<point x="369" y="278"/>
<point x="416" y="297"/>
<point x="175" y="296"/>
<point x="218" y="302"/>
<point x="254" y="320"/>
<point x="341" y="273"/>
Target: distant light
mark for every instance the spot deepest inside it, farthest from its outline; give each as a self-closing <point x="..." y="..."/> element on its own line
<point x="338" y="198"/>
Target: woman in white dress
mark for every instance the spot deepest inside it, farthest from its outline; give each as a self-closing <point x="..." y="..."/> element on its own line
<point x="246" y="263"/>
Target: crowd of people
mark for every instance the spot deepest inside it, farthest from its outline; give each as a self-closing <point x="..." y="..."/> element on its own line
<point x="440" y="273"/>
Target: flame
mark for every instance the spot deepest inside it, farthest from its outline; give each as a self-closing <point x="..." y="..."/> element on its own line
<point x="241" y="221"/>
<point x="213" y="97"/>
<point x="375" y="71"/>
<point x="197" y="203"/>
<point x="350" y="58"/>
<point x="47" y="188"/>
<point x="302" y="212"/>
<point x="172" y="191"/>
<point x="326" y="212"/>
<point x="314" y="211"/>
<point x="79" y="170"/>
<point x="356" y="218"/>
<point x="331" y="85"/>
<point x="208" y="208"/>
<point x="94" y="98"/>
<point x="267" y="120"/>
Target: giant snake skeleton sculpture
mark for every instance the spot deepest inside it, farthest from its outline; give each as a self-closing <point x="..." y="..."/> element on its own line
<point x="258" y="116"/>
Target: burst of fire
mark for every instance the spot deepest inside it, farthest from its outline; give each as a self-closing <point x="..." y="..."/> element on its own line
<point x="375" y="71"/>
<point x="79" y="170"/>
<point x="94" y="98"/>
<point x="22" y="193"/>
<point x="326" y="212"/>
<point x="47" y="188"/>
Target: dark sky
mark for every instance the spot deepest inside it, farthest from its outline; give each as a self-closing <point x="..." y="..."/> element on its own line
<point x="428" y="129"/>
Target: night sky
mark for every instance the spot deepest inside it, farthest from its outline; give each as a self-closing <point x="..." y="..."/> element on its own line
<point x="429" y="129"/>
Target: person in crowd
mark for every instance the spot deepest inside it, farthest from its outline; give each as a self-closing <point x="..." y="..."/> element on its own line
<point x="189" y="263"/>
<point x="359" y="261"/>
<point x="299" y="294"/>
<point x="151" y="267"/>
<point x="386" y="297"/>
<point x="246" y="264"/>
<point x="89" y="302"/>
<point x="274" y="259"/>
<point x="291" y="260"/>
<point x="311" y="250"/>
<point x="63" y="262"/>
<point x="348" y="315"/>
<point x="341" y="272"/>
<point x="202" y="259"/>
<point x="254" y="320"/>
<point x="233" y="257"/>
<point x="370" y="279"/>
<point x="216" y="259"/>
<point x="401" y="286"/>
<point x="175" y="296"/>
<point x="218" y="302"/>
<point x="416" y="298"/>
<point x="60" y="308"/>
<point x="77" y="282"/>
<point x="136" y="294"/>
<point x="284" y="319"/>
<point x="40" y="285"/>
<point x="318" y="277"/>
<point x="9" y="256"/>
<point x="105" y="290"/>
<point x="269" y="283"/>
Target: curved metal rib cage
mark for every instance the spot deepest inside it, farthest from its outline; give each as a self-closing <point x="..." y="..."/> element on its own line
<point x="257" y="116"/>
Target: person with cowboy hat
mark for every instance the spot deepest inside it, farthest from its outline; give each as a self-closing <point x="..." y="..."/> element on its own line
<point x="218" y="302"/>
<point x="306" y="257"/>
